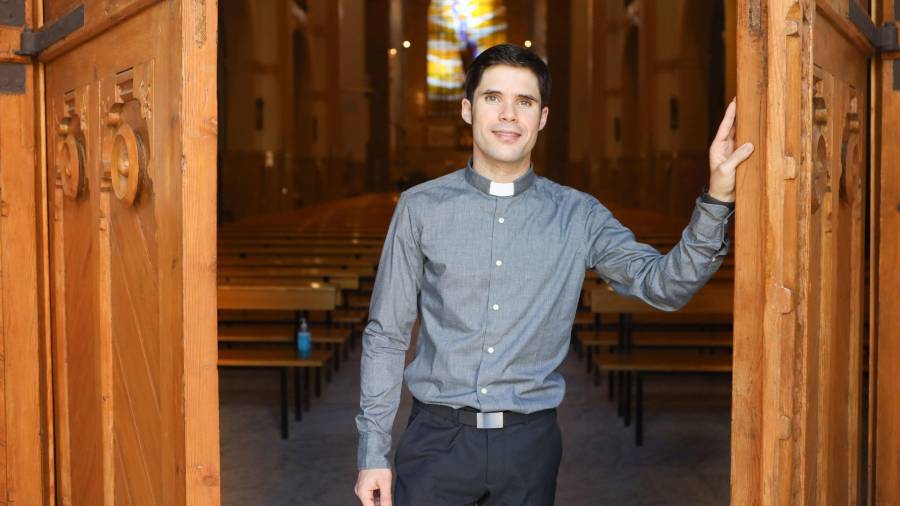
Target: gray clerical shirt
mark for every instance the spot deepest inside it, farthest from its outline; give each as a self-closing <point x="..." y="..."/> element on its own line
<point x="495" y="272"/>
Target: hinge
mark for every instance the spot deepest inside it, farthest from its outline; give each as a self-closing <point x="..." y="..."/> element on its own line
<point x="883" y="38"/>
<point x="33" y="43"/>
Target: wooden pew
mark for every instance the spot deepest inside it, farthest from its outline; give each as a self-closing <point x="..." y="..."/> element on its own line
<point x="339" y="278"/>
<point x="633" y="360"/>
<point x="242" y="323"/>
<point x="235" y="264"/>
<point x="306" y="251"/>
<point x="288" y="231"/>
<point x="361" y="266"/>
<point x="283" y="298"/>
<point x="279" y="240"/>
<point x="334" y="270"/>
<point x="603" y="333"/>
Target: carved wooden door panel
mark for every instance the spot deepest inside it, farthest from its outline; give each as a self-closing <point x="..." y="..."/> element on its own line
<point x="800" y="416"/>
<point x="131" y="139"/>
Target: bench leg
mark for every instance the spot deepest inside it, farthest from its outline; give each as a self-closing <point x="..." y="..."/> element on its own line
<point x="306" y="386"/>
<point x="627" y="382"/>
<point x="611" y="380"/>
<point x="298" y="401"/>
<point x="284" y="402"/>
<point x="318" y="382"/>
<point x="589" y="353"/>
<point x="346" y="350"/>
<point x="620" y="400"/>
<point x="579" y="349"/>
<point x="336" y="351"/>
<point x="639" y="414"/>
<point x="327" y="373"/>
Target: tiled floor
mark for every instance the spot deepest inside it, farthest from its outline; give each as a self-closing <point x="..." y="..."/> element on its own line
<point x="684" y="460"/>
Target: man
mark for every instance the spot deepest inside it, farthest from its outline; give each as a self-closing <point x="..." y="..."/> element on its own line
<point x="492" y="259"/>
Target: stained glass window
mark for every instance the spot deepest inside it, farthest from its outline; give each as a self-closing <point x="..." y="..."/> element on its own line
<point x="458" y="31"/>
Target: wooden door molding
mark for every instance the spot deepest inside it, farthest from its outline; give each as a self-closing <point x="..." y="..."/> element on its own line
<point x="26" y="436"/>
<point x="99" y="17"/>
<point x="798" y="373"/>
<point x="126" y="111"/>
<point x="132" y="235"/>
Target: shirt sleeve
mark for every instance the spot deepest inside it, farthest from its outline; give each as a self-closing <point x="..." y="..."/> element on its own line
<point x="635" y="269"/>
<point x="392" y="313"/>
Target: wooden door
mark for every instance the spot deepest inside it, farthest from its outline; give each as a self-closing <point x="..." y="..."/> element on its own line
<point x="130" y="109"/>
<point x="801" y="411"/>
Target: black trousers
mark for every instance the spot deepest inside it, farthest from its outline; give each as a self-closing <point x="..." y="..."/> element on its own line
<point x="440" y="462"/>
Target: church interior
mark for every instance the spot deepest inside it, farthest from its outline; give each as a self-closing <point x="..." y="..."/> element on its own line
<point x="195" y="194"/>
<point x="328" y="109"/>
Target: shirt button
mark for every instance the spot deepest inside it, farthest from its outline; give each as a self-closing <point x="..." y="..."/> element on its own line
<point x="501" y="220"/>
<point x="484" y="390"/>
<point x="499" y="263"/>
<point x="491" y="349"/>
<point x="496" y="307"/>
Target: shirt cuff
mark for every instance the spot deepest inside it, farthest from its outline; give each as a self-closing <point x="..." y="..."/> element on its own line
<point x="706" y="198"/>
<point x="709" y="225"/>
<point x="373" y="451"/>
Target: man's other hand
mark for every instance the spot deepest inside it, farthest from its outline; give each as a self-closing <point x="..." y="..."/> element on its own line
<point x="373" y="483"/>
<point x="724" y="159"/>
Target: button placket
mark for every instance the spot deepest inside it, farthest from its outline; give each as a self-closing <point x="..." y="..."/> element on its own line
<point x="496" y="242"/>
<point x="495" y="306"/>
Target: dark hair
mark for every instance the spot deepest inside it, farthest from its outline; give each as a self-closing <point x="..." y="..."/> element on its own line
<point x="512" y="55"/>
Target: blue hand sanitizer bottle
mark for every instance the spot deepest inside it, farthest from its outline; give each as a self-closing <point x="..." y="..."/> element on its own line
<point x="304" y="339"/>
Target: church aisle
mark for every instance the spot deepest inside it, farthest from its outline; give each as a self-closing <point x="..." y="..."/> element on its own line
<point x="684" y="460"/>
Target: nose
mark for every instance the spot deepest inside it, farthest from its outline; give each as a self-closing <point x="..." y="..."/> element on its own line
<point x="508" y="112"/>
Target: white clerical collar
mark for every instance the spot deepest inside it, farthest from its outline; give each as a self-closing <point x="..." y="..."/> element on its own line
<point x="499" y="189"/>
<point x="502" y="189"/>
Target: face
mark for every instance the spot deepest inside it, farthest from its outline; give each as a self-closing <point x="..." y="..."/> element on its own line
<point x="506" y="115"/>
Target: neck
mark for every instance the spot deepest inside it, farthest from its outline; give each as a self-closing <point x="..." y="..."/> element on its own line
<point x="499" y="172"/>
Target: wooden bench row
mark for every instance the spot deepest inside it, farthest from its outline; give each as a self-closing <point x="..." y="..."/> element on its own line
<point x="292" y="300"/>
<point x="634" y="354"/>
<point x="274" y="272"/>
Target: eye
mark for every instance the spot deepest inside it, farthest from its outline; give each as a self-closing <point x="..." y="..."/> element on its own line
<point x="491" y="99"/>
<point x="525" y="103"/>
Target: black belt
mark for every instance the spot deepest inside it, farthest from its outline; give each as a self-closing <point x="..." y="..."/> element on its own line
<point x="480" y="419"/>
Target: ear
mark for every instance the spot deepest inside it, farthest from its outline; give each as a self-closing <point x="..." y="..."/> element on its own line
<point x="466" y="110"/>
<point x="544" y="113"/>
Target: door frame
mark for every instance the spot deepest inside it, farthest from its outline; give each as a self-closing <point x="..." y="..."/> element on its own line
<point x="769" y="461"/>
<point x="26" y="403"/>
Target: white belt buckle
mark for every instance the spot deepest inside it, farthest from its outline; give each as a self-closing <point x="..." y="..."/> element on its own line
<point x="491" y="420"/>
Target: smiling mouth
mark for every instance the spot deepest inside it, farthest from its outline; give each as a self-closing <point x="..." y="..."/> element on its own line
<point x="507" y="136"/>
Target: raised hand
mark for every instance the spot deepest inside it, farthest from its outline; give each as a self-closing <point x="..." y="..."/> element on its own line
<point x="724" y="159"/>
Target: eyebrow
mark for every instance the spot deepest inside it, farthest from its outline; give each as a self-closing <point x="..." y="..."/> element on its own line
<point x="497" y="92"/>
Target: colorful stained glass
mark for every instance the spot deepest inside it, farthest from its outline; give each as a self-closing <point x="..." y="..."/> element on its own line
<point x="458" y="31"/>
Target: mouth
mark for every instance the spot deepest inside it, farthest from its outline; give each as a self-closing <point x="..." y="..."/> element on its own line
<point x="507" y="136"/>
